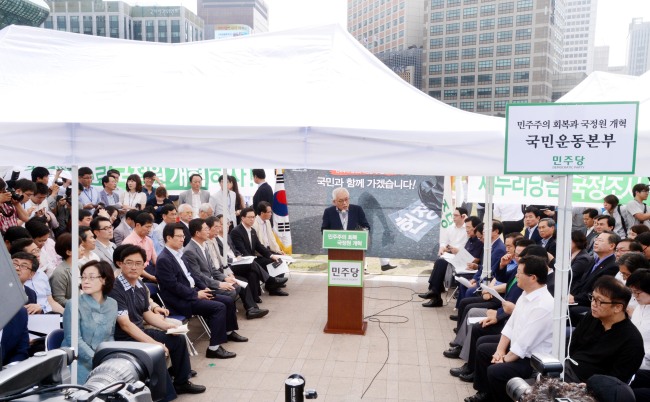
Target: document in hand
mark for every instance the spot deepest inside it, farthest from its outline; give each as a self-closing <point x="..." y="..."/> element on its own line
<point x="243" y="260"/>
<point x="180" y="330"/>
<point x="242" y="283"/>
<point x="494" y="293"/>
<point x="463" y="281"/>
<point x="278" y="267"/>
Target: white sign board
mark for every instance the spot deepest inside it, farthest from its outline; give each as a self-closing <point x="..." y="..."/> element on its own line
<point x="571" y="138"/>
<point x="345" y="273"/>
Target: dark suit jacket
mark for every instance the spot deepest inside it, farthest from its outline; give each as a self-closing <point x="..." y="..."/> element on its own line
<point x="590" y="240"/>
<point x="512" y="295"/>
<point x="15" y="339"/>
<point x="239" y="238"/>
<point x="31" y="296"/>
<point x="550" y="246"/>
<point x="264" y="193"/>
<point x="174" y="287"/>
<point x="582" y="262"/>
<point x="498" y="251"/>
<point x="586" y="283"/>
<point x="202" y="265"/>
<point x="536" y="237"/>
<point x="186" y="232"/>
<point x="356" y="219"/>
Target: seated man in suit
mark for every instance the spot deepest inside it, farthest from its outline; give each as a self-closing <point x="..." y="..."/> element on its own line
<point x="188" y="296"/>
<point x="531" y="219"/>
<point x="546" y="229"/>
<point x="245" y="240"/>
<point x="199" y="262"/>
<point x="26" y="265"/>
<point x="134" y="311"/>
<point x="185" y="215"/>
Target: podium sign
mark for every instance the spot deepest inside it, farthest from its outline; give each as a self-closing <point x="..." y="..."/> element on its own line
<point x="345" y="273"/>
<point x="345" y="239"/>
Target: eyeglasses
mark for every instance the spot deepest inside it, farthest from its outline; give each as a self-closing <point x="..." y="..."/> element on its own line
<point x="106" y="228"/>
<point x="180" y="236"/>
<point x="132" y="264"/>
<point x="599" y="302"/>
<point x="26" y="267"/>
<point x="88" y="278"/>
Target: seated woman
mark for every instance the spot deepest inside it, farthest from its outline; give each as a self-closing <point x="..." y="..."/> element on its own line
<point x="61" y="280"/>
<point x="97" y="314"/>
<point x="159" y="201"/>
<point x="133" y="198"/>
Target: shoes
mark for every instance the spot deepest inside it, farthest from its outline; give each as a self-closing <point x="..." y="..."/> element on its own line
<point x="428" y="295"/>
<point x="189" y="388"/>
<point x="452" y="344"/>
<point x="235" y="337"/>
<point x="453" y="317"/>
<point x="479" y="397"/>
<point x="468" y="377"/>
<point x="387" y="267"/>
<point x="220" y="353"/>
<point x="455" y="330"/>
<point x="255" y="312"/>
<point x="275" y="282"/>
<point x="433" y="303"/>
<point x="278" y="292"/>
<point x="284" y="285"/>
<point x="452" y="353"/>
<point x="455" y="372"/>
<point x="258" y="300"/>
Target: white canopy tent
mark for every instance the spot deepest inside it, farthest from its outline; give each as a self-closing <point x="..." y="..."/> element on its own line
<point x="306" y="98"/>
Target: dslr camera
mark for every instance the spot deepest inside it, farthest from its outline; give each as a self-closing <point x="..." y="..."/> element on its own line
<point x="543" y="364"/>
<point x="122" y="371"/>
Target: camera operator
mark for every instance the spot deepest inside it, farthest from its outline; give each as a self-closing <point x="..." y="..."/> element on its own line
<point x="529" y="330"/>
<point x="11" y="208"/>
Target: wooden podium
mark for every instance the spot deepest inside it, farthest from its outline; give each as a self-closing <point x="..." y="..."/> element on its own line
<point x="345" y="300"/>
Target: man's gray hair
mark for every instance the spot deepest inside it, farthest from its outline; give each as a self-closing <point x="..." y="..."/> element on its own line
<point x="549" y="221"/>
<point x="205" y="207"/>
<point x="185" y="208"/>
<point x="339" y="190"/>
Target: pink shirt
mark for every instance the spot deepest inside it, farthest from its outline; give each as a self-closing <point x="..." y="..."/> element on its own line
<point x="146" y="244"/>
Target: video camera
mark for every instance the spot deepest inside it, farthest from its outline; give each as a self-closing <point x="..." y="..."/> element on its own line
<point x="11" y="183"/>
<point x="122" y="371"/>
<point x="545" y="365"/>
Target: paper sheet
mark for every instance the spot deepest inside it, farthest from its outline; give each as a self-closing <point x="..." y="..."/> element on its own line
<point x="474" y="320"/>
<point x="494" y="293"/>
<point x="463" y="281"/>
<point x="244" y="260"/>
<point x="181" y="330"/>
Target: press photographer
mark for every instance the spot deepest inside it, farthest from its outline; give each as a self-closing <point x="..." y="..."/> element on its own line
<point x="12" y="196"/>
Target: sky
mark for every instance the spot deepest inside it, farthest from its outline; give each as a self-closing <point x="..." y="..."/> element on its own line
<point x="614" y="17"/>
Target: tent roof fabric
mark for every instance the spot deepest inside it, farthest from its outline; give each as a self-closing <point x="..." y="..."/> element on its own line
<point x="306" y="98"/>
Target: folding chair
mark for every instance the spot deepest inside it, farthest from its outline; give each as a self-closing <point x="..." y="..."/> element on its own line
<point x="190" y="345"/>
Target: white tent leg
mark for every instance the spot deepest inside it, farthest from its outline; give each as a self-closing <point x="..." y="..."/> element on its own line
<point x="562" y="266"/>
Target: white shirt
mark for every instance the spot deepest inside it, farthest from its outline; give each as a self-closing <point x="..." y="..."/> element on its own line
<point x="508" y="212"/>
<point x="454" y="236"/>
<point x="634" y="207"/>
<point x="530" y="328"/>
<point x="641" y="318"/>
<point x="178" y="255"/>
<point x="196" y="203"/>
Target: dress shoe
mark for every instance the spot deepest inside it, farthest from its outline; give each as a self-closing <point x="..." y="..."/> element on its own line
<point x="452" y="353"/>
<point x="189" y="388"/>
<point x="453" y="317"/>
<point x="468" y="377"/>
<point x="430" y="294"/>
<point x="258" y="300"/>
<point x="433" y="303"/>
<point x="387" y="267"/>
<point x="284" y="285"/>
<point x="455" y="372"/>
<point x="255" y="312"/>
<point x="278" y="292"/>
<point x="452" y="344"/>
<point x="455" y="330"/>
<point x="479" y="397"/>
<point x="276" y="281"/>
<point x="193" y="373"/>
<point x="235" y="337"/>
<point x="220" y="353"/>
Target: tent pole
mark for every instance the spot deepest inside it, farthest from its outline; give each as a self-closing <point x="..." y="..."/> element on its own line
<point x="562" y="266"/>
<point x="487" y="228"/>
<point x="74" y="268"/>
<point x="225" y="197"/>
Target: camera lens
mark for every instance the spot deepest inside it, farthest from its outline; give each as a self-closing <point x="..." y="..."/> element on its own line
<point x="516" y="388"/>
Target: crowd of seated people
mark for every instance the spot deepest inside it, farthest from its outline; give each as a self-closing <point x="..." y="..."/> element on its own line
<point x="135" y="243"/>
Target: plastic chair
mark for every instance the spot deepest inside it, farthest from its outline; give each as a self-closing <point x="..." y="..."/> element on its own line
<point x="54" y="339"/>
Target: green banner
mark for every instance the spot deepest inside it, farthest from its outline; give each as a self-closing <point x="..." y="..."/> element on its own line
<point x="345" y="239"/>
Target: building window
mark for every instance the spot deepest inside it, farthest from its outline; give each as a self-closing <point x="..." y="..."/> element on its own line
<point x="137" y="30"/>
<point x="451" y="68"/>
<point x="453" y="28"/>
<point x="502" y="78"/>
<point x="469" y="26"/>
<point x="437" y="29"/>
<point x="435" y="56"/>
<point x="501" y="92"/>
<point x="100" y="22"/>
<point x="485" y="65"/>
<point x="467" y="67"/>
<point x="436" y="4"/>
<point x="470" y="12"/>
<point x="453" y="14"/>
<point x="523" y="34"/>
<point x="487" y="10"/>
<point x="149" y="34"/>
<point x="453" y="3"/>
<point x="61" y="23"/>
<point x="525" y="19"/>
<point x="451" y="41"/>
<point x="467" y="106"/>
<point x="522" y="62"/>
<point x="520" y="90"/>
<point x="451" y="81"/>
<point x="49" y="23"/>
<point x="500" y="106"/>
<point x="435" y="69"/>
<point x="504" y="36"/>
<point x="505" y="22"/>
<point x="503" y="64"/>
<point x="467" y="93"/>
<point x="435" y="82"/>
<point x="469" y="40"/>
<point x="504" y="50"/>
<point x="176" y="31"/>
<point x="524" y="5"/>
<point x="486" y="38"/>
<point x="484" y="106"/>
<point x="433" y="43"/>
<point x="485" y="79"/>
<point x="451" y="94"/>
<point x="487" y="24"/>
<point x="162" y="31"/>
<point x="506" y="8"/>
<point x="469" y="53"/>
<point x="521" y="76"/>
<point x="435" y="94"/>
<point x="87" y="24"/>
<point x="522" y="48"/>
<point x="486" y="51"/>
<point x="114" y="26"/>
<point x="484" y="92"/>
<point x="74" y="24"/>
<point x="467" y="80"/>
<point x="438" y="16"/>
<point x="468" y="2"/>
<point x="451" y="55"/>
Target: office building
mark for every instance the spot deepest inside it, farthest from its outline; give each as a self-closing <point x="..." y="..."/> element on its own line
<point x="117" y="19"/>
<point x="601" y="58"/>
<point x="222" y="17"/>
<point x="482" y="54"/>
<point x="638" y="47"/>
<point x="23" y="12"/>
<point x="579" y="36"/>
<point x="405" y="63"/>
